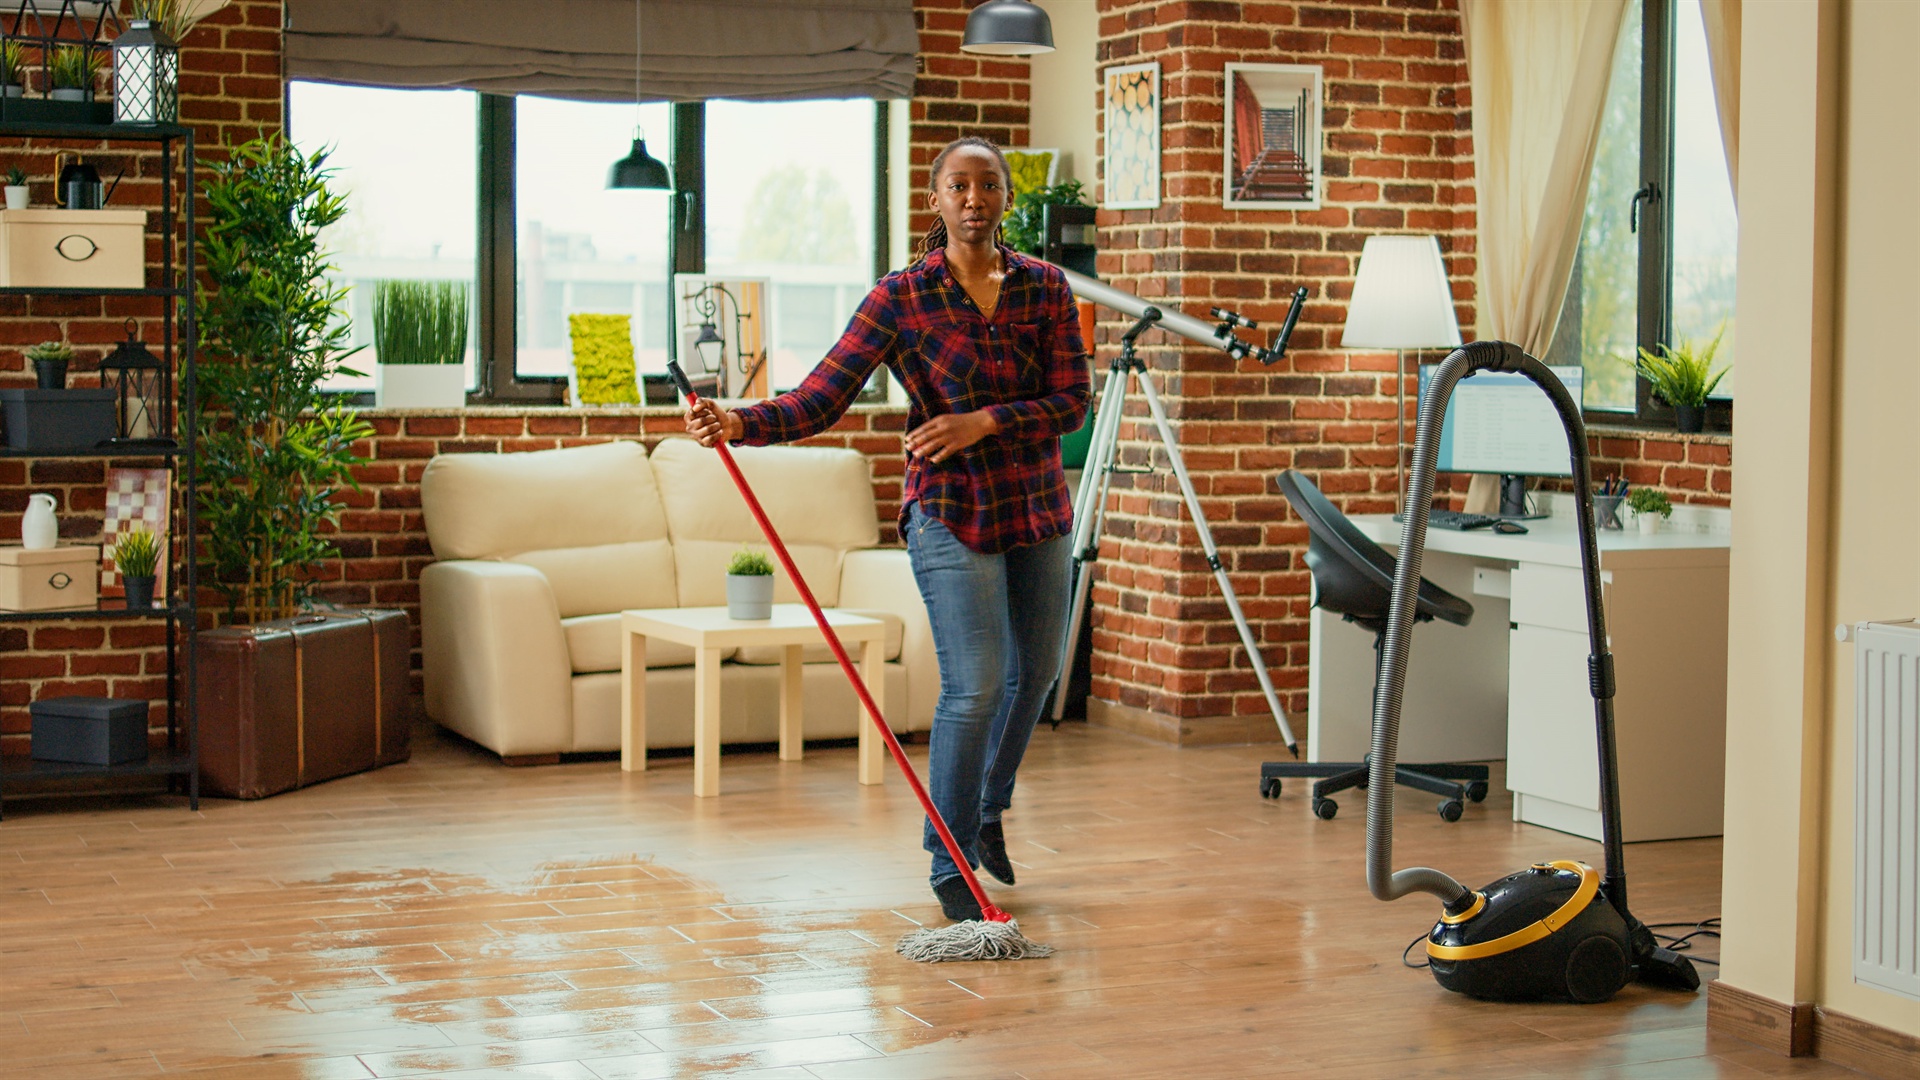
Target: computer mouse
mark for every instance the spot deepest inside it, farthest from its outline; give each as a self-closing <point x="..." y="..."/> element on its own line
<point x="1508" y="527"/>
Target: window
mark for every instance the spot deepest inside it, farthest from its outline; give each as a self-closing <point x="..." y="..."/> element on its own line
<point x="408" y="181"/>
<point x="510" y="192"/>
<point x="1657" y="246"/>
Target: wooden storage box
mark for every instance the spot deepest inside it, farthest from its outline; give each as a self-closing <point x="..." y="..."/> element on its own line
<point x="49" y="579"/>
<point x="73" y="249"/>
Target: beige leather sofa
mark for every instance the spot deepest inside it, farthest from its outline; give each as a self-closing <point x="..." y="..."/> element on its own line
<point x="538" y="553"/>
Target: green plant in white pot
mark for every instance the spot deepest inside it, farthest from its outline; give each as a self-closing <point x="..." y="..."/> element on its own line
<point x="749" y="585"/>
<point x="1650" y="508"/>
<point x="420" y="344"/>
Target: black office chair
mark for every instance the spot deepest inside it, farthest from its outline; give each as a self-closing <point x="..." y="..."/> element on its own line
<point x="1353" y="577"/>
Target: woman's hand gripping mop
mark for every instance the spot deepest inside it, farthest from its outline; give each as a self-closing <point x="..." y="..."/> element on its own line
<point x="996" y="936"/>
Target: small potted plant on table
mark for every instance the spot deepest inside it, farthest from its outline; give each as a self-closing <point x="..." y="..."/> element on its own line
<point x="749" y="585"/>
<point x="50" y="360"/>
<point x="1683" y="377"/>
<point x="1650" y="508"/>
<point x="137" y="556"/>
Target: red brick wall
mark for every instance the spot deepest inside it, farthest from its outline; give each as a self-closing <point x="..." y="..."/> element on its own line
<point x="958" y="94"/>
<point x="230" y="90"/>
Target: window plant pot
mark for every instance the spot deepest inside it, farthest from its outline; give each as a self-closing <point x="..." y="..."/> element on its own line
<point x="419" y="386"/>
<point x="749" y="596"/>
<point x="1690" y="419"/>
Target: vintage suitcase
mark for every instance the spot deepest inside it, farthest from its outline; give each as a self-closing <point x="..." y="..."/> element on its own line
<point x="293" y="702"/>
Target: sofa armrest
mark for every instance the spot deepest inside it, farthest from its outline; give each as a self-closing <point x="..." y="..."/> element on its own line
<point x="494" y="658"/>
<point x="881" y="579"/>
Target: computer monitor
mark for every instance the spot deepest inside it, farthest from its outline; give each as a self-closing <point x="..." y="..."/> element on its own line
<point x="1501" y="423"/>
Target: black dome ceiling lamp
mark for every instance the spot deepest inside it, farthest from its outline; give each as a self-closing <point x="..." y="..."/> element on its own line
<point x="639" y="170"/>
<point x="1008" y="28"/>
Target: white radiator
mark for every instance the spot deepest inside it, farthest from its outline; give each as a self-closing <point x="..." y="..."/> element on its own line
<point x="1886" y="808"/>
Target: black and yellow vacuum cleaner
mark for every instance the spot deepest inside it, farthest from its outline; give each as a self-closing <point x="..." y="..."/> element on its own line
<point x="1556" y="931"/>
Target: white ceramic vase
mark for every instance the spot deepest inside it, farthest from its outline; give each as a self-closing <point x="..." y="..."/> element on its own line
<point x="39" y="529"/>
<point x="749" y="596"/>
<point x="1648" y="522"/>
<point x="419" y="386"/>
<point x="16" y="196"/>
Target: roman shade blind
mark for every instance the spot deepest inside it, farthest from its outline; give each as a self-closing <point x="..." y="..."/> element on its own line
<point x="753" y="50"/>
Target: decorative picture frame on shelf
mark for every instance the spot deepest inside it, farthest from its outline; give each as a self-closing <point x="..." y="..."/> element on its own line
<point x="1130" y="177"/>
<point x="136" y="498"/>
<point x="1032" y="168"/>
<point x="1273" y="137"/>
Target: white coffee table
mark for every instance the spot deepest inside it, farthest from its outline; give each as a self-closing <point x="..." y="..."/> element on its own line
<point x="709" y="632"/>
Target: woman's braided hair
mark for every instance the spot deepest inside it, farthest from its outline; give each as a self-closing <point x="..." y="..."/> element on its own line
<point x="936" y="236"/>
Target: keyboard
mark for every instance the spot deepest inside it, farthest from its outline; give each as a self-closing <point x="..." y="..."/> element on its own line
<point x="1455" y="520"/>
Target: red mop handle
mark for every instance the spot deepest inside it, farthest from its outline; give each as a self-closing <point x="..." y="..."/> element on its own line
<point x="987" y="909"/>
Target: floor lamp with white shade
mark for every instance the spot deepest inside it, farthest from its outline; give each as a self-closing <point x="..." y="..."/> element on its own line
<point x="1401" y="300"/>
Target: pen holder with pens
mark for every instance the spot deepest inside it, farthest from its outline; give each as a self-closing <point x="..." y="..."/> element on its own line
<point x="1606" y="511"/>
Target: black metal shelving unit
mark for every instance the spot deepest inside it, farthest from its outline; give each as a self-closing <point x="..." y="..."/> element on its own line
<point x="179" y="763"/>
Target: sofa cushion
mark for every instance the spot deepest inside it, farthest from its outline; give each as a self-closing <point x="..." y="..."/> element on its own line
<point x="490" y="506"/>
<point x="820" y="500"/>
<point x="593" y="644"/>
<point x="607" y="578"/>
<point x="819" y="653"/>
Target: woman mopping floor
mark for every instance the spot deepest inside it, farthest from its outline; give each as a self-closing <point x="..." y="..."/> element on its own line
<point x="987" y="344"/>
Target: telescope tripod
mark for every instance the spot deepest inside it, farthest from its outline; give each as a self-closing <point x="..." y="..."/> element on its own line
<point x="1090" y="510"/>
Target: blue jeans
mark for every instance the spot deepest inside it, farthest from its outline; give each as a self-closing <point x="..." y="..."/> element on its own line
<point x="998" y="622"/>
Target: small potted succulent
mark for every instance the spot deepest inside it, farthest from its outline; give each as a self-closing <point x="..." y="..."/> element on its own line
<point x="75" y="69"/>
<point x="16" y="189"/>
<point x="1683" y="377"/>
<point x="137" y="556"/>
<point x="1650" y="508"/>
<point x="50" y="360"/>
<point x="749" y="585"/>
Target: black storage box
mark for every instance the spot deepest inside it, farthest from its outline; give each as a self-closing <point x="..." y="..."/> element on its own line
<point x="89" y="730"/>
<point x="59" y="419"/>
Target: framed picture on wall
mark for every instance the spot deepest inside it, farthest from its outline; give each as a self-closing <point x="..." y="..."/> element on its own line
<point x="1131" y="178"/>
<point x="1272" y="158"/>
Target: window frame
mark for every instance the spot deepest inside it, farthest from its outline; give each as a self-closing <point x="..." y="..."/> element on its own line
<point x="1653" y="324"/>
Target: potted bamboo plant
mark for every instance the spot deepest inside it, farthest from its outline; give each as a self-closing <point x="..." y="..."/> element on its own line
<point x="1683" y="377"/>
<point x="420" y="344"/>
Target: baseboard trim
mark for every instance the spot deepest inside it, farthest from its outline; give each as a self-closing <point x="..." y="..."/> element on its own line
<point x="1868" y="1047"/>
<point x="1785" y="1029"/>
<point x="1183" y="730"/>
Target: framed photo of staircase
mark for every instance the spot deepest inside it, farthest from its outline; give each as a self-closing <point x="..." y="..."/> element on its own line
<point x="1272" y="159"/>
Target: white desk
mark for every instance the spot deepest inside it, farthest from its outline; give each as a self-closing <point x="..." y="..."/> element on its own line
<point x="1513" y="683"/>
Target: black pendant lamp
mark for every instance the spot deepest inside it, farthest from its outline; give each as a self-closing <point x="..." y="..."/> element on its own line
<point x="1008" y="28"/>
<point x="639" y="170"/>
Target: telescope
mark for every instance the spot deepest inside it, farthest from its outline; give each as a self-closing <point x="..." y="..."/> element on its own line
<point x="1219" y="335"/>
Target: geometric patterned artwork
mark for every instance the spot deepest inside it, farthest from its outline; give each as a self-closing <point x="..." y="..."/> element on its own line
<point x="1133" y="137"/>
<point x="136" y="496"/>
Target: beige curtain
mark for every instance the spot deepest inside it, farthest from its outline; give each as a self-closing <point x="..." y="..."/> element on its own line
<point x="1723" y="55"/>
<point x="1538" y="71"/>
<point x="755" y="50"/>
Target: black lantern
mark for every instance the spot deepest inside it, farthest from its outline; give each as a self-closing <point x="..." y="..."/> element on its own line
<point x="146" y="75"/>
<point x="136" y="376"/>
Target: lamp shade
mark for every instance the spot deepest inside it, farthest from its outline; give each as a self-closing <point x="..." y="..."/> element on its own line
<point x="639" y="169"/>
<point x="1008" y="28"/>
<point x="1401" y="299"/>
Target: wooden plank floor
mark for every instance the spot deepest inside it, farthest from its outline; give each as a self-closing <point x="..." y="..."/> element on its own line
<point x="451" y="916"/>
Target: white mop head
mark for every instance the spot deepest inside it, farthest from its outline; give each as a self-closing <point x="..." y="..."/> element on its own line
<point x="975" y="939"/>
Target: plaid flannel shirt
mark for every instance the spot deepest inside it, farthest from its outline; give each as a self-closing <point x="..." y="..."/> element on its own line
<point x="1026" y="366"/>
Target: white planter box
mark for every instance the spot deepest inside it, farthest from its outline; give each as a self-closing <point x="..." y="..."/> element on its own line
<point x="80" y="249"/>
<point x="419" y="386"/>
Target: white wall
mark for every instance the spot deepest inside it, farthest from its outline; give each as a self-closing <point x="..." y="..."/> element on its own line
<point x="1065" y="84"/>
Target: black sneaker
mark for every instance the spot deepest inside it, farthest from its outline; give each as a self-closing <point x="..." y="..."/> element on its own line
<point x="993" y="852"/>
<point x="957" y="901"/>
